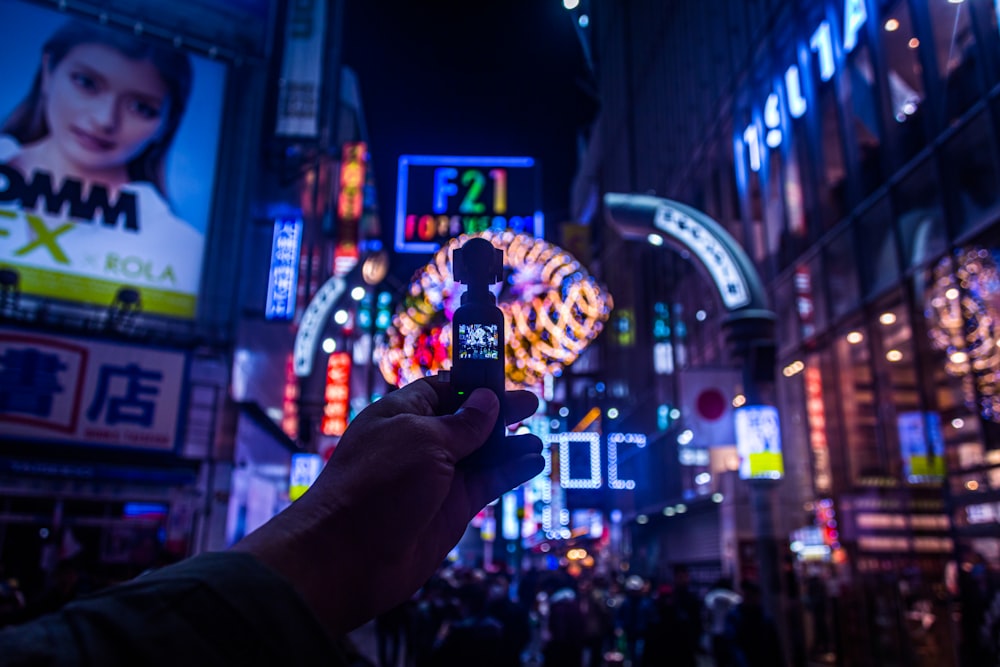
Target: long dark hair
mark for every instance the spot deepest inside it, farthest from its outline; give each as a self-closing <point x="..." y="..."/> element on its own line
<point x="27" y="122"/>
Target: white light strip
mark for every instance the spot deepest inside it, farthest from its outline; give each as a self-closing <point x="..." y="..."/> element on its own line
<point x="313" y="321"/>
<point x="565" y="480"/>
<point x="614" y="439"/>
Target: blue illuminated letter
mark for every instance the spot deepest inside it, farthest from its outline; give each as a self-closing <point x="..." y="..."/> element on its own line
<point x="822" y="44"/>
<point x="772" y="119"/>
<point x="854" y="17"/>
<point x="444" y="188"/>
<point x="752" y="139"/>
<point x="793" y="91"/>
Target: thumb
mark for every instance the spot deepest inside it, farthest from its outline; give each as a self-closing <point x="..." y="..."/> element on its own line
<point x="470" y="426"/>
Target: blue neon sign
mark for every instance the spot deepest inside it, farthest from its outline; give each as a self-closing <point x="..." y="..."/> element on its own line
<point x="282" y="278"/>
<point x="767" y="127"/>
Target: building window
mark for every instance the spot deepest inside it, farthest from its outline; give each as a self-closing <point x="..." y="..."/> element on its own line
<point x="942" y="327"/>
<point x="896" y="368"/>
<point x="971" y="176"/>
<point x="919" y="220"/>
<point x="833" y="174"/>
<point x="863" y="116"/>
<point x="788" y="322"/>
<point x="906" y="94"/>
<point x="841" y="274"/>
<point x="984" y="15"/>
<point x="957" y="56"/>
<point x="855" y="397"/>
<point x="879" y="257"/>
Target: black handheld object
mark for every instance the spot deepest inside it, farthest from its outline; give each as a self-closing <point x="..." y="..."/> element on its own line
<point x="477" y="334"/>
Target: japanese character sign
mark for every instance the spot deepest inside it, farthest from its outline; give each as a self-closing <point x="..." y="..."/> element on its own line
<point x="65" y="390"/>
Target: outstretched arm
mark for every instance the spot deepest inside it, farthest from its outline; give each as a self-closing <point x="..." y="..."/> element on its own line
<point x="393" y="501"/>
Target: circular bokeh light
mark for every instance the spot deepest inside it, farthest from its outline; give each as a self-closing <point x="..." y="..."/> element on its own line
<point x="552" y="310"/>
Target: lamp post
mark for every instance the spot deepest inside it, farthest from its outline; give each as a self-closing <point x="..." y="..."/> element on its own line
<point x="749" y="329"/>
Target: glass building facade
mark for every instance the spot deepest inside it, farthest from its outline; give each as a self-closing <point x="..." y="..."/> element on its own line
<point x="851" y="148"/>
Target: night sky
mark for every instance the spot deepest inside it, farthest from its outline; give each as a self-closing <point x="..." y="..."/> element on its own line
<point x="470" y="78"/>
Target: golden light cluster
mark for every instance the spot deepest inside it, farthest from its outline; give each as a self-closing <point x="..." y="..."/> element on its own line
<point x="552" y="309"/>
<point x="963" y="316"/>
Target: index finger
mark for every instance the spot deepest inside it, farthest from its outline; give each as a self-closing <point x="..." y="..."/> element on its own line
<point x="433" y="396"/>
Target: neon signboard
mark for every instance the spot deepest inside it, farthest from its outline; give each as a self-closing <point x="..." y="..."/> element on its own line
<point x="758" y="442"/>
<point x="441" y="197"/>
<point x="284" y="273"/>
<point x="304" y="470"/>
<point x="338" y="389"/>
<point x="789" y="97"/>
<point x="581" y="451"/>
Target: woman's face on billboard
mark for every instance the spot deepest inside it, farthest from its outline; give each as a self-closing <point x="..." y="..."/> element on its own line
<point x="102" y="108"/>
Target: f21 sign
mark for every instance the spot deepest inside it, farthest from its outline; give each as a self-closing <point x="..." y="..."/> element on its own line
<point x="441" y="197"/>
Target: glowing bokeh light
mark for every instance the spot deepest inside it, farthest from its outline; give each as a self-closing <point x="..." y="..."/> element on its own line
<point x="552" y="310"/>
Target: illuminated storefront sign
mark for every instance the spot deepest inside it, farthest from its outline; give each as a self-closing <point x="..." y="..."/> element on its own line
<point x="283" y="275"/>
<point x="592" y="445"/>
<point x="337" y="394"/>
<point x="758" y="442"/>
<point x="722" y="267"/>
<point x="441" y="197"/>
<point x="304" y="471"/>
<point x="749" y="147"/>
<point x="130" y="212"/>
<point x="615" y="440"/>
<point x="290" y="401"/>
<point x="816" y="417"/>
<point x="921" y="444"/>
<point x="350" y="205"/>
<point x="58" y="389"/>
<point x="582" y="452"/>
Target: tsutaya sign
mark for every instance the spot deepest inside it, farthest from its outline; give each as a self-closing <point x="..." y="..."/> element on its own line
<point x="821" y="43"/>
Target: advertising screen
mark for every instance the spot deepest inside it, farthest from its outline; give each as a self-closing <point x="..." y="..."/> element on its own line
<point x="107" y="161"/>
<point x="758" y="442"/>
<point x="440" y="197"/>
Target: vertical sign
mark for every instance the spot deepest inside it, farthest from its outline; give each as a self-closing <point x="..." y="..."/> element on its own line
<point x="816" y="417"/>
<point x="290" y="401"/>
<point x="301" y="70"/>
<point x="304" y="471"/>
<point x="350" y="205"/>
<point x="283" y="275"/>
<point x="338" y="379"/>
<point x="758" y="442"/>
<point x="921" y="445"/>
<point x="509" y="521"/>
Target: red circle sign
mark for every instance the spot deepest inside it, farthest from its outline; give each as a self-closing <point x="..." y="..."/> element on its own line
<point x="711" y="404"/>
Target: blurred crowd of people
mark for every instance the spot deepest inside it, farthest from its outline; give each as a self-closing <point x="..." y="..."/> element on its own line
<point x="466" y="616"/>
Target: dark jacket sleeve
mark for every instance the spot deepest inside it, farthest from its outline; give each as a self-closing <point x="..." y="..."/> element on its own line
<point x="214" y="609"/>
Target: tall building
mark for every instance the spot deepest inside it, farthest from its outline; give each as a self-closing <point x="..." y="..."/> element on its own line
<point x="172" y="205"/>
<point x="121" y="233"/>
<point x="851" y="149"/>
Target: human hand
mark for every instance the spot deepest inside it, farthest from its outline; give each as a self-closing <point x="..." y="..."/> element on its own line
<point x="393" y="501"/>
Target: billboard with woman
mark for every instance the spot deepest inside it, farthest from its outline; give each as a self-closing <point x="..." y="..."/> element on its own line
<point x="107" y="161"/>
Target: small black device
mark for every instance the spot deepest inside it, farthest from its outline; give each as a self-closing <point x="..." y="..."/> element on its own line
<point x="477" y="334"/>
